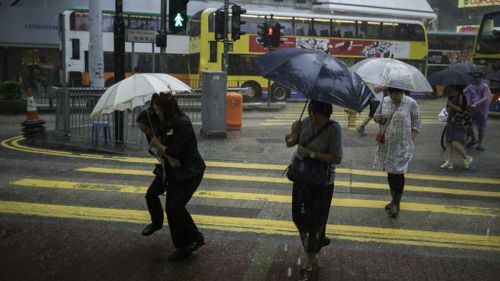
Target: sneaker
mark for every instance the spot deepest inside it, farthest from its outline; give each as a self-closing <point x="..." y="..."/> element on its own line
<point x="467" y="162"/>
<point x="472" y="143"/>
<point x="446" y="165"/>
<point x="480" y="147"/>
<point x="361" y="130"/>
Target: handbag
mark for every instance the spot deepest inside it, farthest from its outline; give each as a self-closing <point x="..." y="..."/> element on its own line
<point x="380" y="137"/>
<point x="443" y="115"/>
<point x="309" y="171"/>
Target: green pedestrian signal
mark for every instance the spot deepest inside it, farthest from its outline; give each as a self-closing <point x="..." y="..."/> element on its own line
<point x="177" y="16"/>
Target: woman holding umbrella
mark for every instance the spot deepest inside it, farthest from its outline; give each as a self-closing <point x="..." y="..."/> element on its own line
<point x="177" y="140"/>
<point x="399" y="117"/>
<point x="319" y="139"/>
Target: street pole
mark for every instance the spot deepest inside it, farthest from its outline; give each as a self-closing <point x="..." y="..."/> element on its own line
<point x="119" y="62"/>
<point x="163" y="33"/>
<point x="225" y="63"/>
<point x="96" y="60"/>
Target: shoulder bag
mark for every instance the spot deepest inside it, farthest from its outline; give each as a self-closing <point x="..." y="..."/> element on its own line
<point x="308" y="171"/>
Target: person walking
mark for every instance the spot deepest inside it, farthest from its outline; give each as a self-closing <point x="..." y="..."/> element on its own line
<point x="319" y="139"/>
<point x="177" y="140"/>
<point x="459" y="119"/>
<point x="478" y="95"/>
<point x="399" y="117"/>
<point x="378" y="95"/>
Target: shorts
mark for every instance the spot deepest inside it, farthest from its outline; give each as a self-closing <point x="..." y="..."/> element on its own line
<point x="479" y="120"/>
<point x="455" y="133"/>
<point x="373" y="107"/>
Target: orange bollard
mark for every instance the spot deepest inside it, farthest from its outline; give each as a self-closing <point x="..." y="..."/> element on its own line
<point x="234" y="111"/>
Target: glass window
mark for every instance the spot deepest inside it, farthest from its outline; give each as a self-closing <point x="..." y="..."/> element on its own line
<point x="346" y="28"/>
<point x="138" y="22"/>
<point x="79" y="21"/>
<point x="213" y="51"/>
<point x="242" y="65"/>
<point x="389" y="30"/>
<point x="75" y="49"/>
<point x="434" y="42"/>
<point x="489" y="34"/>
<point x="107" y="22"/>
<point x="195" y="25"/>
<point x="286" y="23"/>
<point x="177" y="63"/>
<point x="252" y="23"/>
<point x="321" y="27"/>
<point x="417" y="32"/>
<point x="369" y="29"/>
<point x="302" y="26"/>
<point x="194" y="63"/>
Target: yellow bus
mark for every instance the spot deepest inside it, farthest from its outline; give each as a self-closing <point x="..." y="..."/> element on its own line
<point x="487" y="45"/>
<point x="348" y="38"/>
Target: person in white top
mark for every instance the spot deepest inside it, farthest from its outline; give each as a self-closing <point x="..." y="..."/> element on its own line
<point x="374" y="103"/>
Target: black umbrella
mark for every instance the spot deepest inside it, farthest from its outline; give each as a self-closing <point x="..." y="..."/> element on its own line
<point x="316" y="75"/>
<point x="450" y="77"/>
<point x="494" y="76"/>
<point x="464" y="67"/>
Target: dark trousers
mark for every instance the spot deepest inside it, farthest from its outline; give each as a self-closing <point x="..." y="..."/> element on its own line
<point x="396" y="182"/>
<point x="156" y="188"/>
<point x="183" y="230"/>
<point x="310" y="209"/>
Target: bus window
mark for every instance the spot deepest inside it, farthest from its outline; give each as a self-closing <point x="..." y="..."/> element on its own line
<point x="417" y="32"/>
<point x="194" y="63"/>
<point x="347" y="28"/>
<point x="368" y="29"/>
<point x="213" y="51"/>
<point x="302" y="26"/>
<point x="177" y="63"/>
<point x="195" y="25"/>
<point x="286" y="23"/>
<point x="107" y="23"/>
<point x="79" y="21"/>
<point x="242" y="65"/>
<point x="489" y="34"/>
<point x="321" y="27"/>
<point x="389" y="30"/>
<point x="75" y="49"/>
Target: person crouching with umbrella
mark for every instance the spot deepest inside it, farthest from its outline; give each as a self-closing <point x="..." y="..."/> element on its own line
<point x="318" y="139"/>
<point x="178" y="140"/>
<point x="399" y="117"/>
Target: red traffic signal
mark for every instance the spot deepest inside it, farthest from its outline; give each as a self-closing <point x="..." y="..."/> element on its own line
<point x="270" y="31"/>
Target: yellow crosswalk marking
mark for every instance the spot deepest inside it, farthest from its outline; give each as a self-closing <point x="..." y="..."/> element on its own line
<point x="282" y="180"/>
<point x="336" y="202"/>
<point x="265" y="226"/>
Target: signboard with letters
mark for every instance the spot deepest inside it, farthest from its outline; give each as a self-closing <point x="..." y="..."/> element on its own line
<point x="477" y="3"/>
<point x="140" y="36"/>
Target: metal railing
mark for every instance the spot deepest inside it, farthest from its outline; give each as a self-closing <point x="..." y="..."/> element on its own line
<point x="73" y="109"/>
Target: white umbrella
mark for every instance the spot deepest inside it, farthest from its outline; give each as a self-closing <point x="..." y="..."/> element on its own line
<point x="392" y="73"/>
<point x="135" y="91"/>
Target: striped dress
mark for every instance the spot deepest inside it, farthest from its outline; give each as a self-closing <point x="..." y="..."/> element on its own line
<point x="396" y="153"/>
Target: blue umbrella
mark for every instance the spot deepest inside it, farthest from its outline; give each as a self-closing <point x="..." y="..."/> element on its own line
<point x="316" y="75"/>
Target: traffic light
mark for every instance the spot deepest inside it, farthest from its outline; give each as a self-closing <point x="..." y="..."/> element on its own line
<point x="219" y="25"/>
<point x="177" y="15"/>
<point x="236" y="22"/>
<point x="265" y="33"/>
<point x="276" y="35"/>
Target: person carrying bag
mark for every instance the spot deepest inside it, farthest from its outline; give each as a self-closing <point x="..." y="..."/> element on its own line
<point x="312" y="172"/>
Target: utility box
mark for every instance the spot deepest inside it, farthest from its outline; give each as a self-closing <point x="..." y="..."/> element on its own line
<point x="213" y="104"/>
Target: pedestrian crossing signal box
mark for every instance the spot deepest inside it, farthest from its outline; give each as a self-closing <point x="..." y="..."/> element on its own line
<point x="177" y="16"/>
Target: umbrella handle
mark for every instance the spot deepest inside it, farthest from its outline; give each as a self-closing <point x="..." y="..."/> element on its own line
<point x="304" y="109"/>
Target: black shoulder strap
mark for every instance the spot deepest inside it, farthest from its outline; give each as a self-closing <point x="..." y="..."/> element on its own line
<point x="318" y="133"/>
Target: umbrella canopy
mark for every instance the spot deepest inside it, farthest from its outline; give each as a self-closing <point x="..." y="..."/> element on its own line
<point x="392" y="73"/>
<point x="450" y="77"/>
<point x="135" y="91"/>
<point x="494" y="77"/>
<point x="316" y="75"/>
<point x="464" y="67"/>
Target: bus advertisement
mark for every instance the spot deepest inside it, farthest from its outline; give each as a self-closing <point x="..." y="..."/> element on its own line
<point x="447" y="48"/>
<point x="348" y="38"/>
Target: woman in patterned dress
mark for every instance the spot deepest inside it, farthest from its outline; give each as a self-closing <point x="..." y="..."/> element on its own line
<point x="399" y="117"/>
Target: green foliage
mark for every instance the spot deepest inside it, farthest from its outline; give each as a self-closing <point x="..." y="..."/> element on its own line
<point x="10" y="90"/>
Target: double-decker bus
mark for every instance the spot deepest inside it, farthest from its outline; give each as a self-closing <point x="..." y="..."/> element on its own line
<point x="487" y="44"/>
<point x="139" y="57"/>
<point x="446" y="48"/>
<point x="487" y="52"/>
<point x="348" y="38"/>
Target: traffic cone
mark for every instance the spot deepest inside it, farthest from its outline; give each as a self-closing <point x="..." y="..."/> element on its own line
<point x="33" y="125"/>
